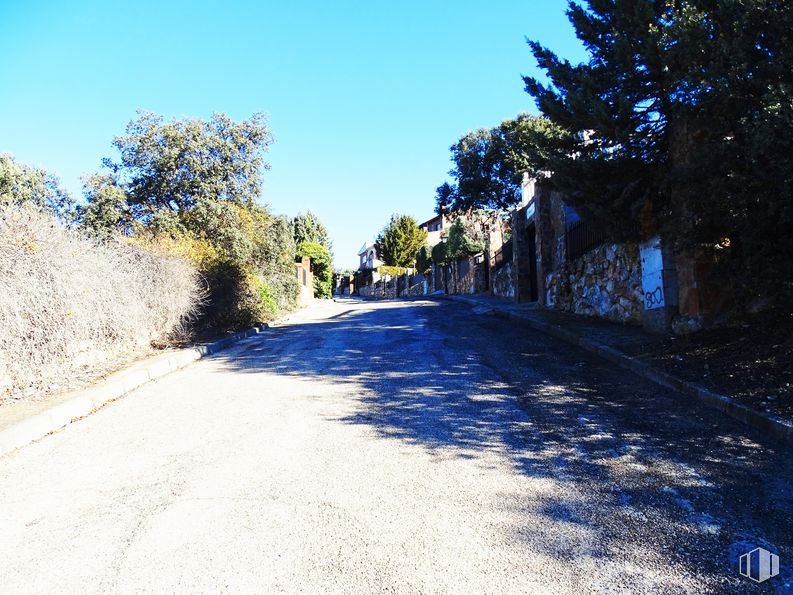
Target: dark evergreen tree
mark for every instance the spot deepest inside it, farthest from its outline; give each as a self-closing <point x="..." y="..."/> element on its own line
<point x="399" y="241"/>
<point x="680" y="124"/>
<point x="308" y="228"/>
<point x="617" y="107"/>
<point x="444" y="198"/>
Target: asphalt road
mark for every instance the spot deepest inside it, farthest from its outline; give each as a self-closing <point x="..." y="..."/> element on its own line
<point x="396" y="446"/>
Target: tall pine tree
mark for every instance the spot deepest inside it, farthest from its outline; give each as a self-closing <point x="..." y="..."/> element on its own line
<point x="681" y="124"/>
<point x="618" y="107"/>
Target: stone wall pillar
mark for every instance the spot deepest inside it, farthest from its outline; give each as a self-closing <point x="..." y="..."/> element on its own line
<point x="305" y="280"/>
<point x="521" y="255"/>
<point x="486" y="264"/>
<point x="545" y="239"/>
<point x="494" y="241"/>
<point x="659" y="285"/>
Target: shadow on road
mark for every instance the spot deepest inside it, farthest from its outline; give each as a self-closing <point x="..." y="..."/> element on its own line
<point x="644" y="472"/>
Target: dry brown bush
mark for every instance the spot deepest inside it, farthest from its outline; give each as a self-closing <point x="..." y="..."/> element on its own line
<point x="71" y="305"/>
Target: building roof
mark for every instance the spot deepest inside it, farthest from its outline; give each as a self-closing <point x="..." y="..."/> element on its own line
<point x="428" y="221"/>
<point x="365" y="248"/>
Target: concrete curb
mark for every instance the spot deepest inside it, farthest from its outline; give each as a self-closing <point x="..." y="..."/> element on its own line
<point x="772" y="425"/>
<point x="86" y="401"/>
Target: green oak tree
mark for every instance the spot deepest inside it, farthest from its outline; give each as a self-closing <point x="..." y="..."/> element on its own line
<point x="440" y="253"/>
<point x="175" y="164"/>
<point x="106" y="210"/>
<point x="444" y="198"/>
<point x="193" y="185"/>
<point x="23" y="184"/>
<point x="489" y="163"/>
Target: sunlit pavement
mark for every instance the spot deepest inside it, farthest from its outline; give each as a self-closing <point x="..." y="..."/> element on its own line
<point x="409" y="446"/>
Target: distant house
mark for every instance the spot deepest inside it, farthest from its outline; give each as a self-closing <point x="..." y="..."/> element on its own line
<point x="435" y="227"/>
<point x="367" y="257"/>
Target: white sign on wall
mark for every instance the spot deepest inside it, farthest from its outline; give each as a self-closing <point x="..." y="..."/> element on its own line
<point x="652" y="274"/>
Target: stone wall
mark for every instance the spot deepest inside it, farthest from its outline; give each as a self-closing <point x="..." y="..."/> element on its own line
<point x="417" y="286"/>
<point x="503" y="281"/>
<point x="345" y="285"/>
<point x="522" y="256"/>
<point x="393" y="287"/>
<point x="467" y="275"/>
<point x="605" y="282"/>
<point x="436" y="278"/>
<point x="463" y="276"/>
<point x="367" y="291"/>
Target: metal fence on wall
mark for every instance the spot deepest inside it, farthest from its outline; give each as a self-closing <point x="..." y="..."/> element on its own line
<point x="583" y="236"/>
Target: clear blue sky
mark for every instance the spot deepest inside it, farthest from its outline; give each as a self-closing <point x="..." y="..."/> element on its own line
<point x="364" y="98"/>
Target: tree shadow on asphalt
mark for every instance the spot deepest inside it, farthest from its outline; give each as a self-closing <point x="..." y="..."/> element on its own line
<point x="638" y="466"/>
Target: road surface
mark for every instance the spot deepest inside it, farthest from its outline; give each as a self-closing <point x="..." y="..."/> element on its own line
<point x="413" y="446"/>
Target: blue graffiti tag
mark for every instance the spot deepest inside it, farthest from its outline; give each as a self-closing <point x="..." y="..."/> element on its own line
<point x="654" y="299"/>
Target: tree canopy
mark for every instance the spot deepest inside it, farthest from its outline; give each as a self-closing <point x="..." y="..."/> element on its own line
<point x="106" y="210"/>
<point x="192" y="186"/>
<point x="308" y="228"/>
<point x="175" y="165"/>
<point x="399" y="241"/>
<point x="489" y="163"/>
<point x="465" y="239"/>
<point x="440" y="253"/>
<point x="680" y="123"/>
<point x="424" y="259"/>
<point x="22" y="184"/>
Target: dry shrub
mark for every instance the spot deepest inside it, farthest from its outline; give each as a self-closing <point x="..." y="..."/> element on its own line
<point x="69" y="304"/>
<point x="236" y="296"/>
